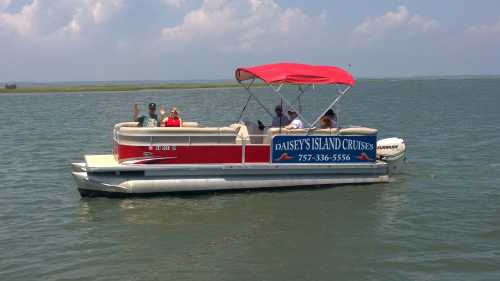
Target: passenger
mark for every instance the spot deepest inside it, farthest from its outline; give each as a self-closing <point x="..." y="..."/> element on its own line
<point x="280" y="120"/>
<point x="173" y="120"/>
<point x="150" y="120"/>
<point x="325" y="123"/>
<point x="296" y="122"/>
<point x="333" y="117"/>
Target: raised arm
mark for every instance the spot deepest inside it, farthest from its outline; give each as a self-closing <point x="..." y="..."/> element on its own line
<point x="136" y="112"/>
<point x="163" y="115"/>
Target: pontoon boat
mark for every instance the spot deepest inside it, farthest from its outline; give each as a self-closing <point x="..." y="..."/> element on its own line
<point x="193" y="158"/>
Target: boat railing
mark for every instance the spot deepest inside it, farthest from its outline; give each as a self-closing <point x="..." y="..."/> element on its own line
<point x="188" y="124"/>
<point x="129" y="133"/>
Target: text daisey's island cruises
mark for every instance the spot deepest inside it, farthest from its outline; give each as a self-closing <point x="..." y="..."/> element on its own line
<point x="323" y="143"/>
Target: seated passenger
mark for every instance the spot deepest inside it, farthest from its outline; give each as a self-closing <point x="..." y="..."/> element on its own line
<point x="150" y="120"/>
<point x="296" y="122"/>
<point x="173" y="120"/>
<point x="325" y="123"/>
<point x="332" y="116"/>
<point x="280" y="120"/>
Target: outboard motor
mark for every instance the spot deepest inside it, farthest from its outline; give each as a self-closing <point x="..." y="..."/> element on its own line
<point x="393" y="152"/>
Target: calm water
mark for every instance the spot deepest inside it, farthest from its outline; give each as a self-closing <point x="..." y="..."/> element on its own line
<point x="440" y="220"/>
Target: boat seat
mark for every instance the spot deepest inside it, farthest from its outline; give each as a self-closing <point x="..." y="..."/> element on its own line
<point x="190" y="124"/>
<point x="363" y="131"/>
<point x="242" y="133"/>
<point x="126" y="124"/>
<point x="271" y="132"/>
<point x="176" y="135"/>
<point x="255" y="134"/>
<point x="135" y="124"/>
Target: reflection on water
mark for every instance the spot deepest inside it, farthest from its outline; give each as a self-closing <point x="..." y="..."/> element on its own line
<point x="249" y="231"/>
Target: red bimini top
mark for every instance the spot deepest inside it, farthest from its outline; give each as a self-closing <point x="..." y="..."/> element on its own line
<point x="296" y="73"/>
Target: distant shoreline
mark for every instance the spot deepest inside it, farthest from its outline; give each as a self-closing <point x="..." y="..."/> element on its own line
<point x="128" y="87"/>
<point x="118" y="87"/>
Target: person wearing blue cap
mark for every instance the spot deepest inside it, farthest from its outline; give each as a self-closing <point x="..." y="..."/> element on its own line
<point x="150" y="120"/>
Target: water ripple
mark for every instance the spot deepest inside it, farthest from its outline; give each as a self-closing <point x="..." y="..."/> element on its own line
<point x="438" y="220"/>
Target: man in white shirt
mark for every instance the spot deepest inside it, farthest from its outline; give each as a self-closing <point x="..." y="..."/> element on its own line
<point x="296" y="122"/>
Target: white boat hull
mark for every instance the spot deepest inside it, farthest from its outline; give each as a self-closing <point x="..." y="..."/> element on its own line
<point x="159" y="179"/>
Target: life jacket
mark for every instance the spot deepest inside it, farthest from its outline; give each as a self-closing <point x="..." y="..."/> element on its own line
<point x="173" y="122"/>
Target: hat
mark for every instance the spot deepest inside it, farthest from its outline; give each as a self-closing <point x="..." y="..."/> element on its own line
<point x="292" y="110"/>
<point x="152" y="105"/>
<point x="278" y="107"/>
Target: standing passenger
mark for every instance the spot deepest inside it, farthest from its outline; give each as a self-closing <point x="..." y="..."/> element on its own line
<point x="280" y="120"/>
<point x="150" y="120"/>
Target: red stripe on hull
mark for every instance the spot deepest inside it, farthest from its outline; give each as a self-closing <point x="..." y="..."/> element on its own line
<point x="257" y="153"/>
<point x="196" y="154"/>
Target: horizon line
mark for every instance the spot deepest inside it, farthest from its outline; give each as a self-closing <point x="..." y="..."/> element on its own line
<point x="409" y="77"/>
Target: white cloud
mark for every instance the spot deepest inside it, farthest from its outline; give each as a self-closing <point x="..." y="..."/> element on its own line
<point x="23" y="21"/>
<point x="101" y="10"/>
<point x="4" y="4"/>
<point x="46" y="17"/>
<point x="73" y="26"/>
<point x="175" y="3"/>
<point x="213" y="18"/>
<point x="237" y="25"/>
<point x="155" y="39"/>
<point x="484" y="30"/>
<point x="401" y="19"/>
<point x="92" y="12"/>
<point x="423" y="24"/>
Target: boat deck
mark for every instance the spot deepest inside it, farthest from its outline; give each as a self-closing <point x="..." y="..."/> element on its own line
<point x="107" y="163"/>
<point x="103" y="175"/>
<point x="101" y="161"/>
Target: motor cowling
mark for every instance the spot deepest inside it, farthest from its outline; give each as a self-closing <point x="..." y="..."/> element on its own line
<point x="391" y="148"/>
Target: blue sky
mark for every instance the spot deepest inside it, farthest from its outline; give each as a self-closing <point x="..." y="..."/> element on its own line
<point x="75" y="40"/>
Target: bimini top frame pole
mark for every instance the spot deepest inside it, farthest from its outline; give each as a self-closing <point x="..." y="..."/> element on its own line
<point x="290" y="105"/>
<point x="250" y="96"/>
<point x="277" y="90"/>
<point x="278" y="74"/>
<point x="341" y="94"/>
